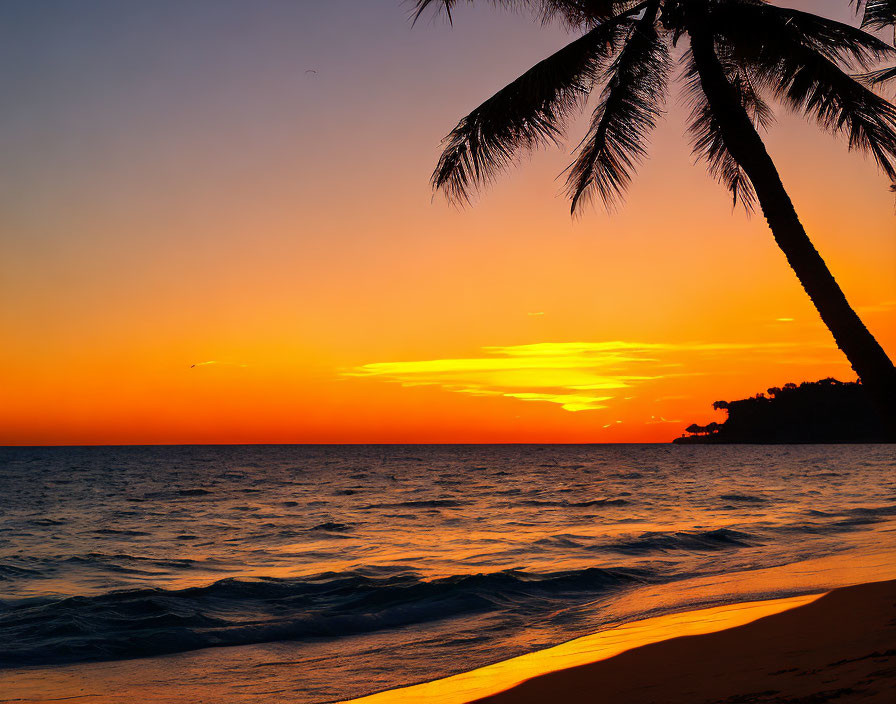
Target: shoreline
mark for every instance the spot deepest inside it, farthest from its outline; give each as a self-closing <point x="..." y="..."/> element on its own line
<point x="657" y="659"/>
<point x="838" y="646"/>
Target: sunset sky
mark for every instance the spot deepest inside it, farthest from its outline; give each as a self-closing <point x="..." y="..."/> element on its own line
<point x="217" y="227"/>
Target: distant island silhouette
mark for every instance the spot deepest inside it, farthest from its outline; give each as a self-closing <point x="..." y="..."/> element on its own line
<point x="825" y="411"/>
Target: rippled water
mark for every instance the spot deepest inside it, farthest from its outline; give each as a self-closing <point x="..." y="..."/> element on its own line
<point x="388" y="565"/>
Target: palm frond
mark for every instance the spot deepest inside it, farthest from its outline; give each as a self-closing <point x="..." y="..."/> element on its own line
<point x="775" y="30"/>
<point x="530" y="112"/>
<point x="878" y="14"/>
<point x="801" y="68"/>
<point x="631" y="102"/>
<point x="883" y="75"/>
<point x="705" y="129"/>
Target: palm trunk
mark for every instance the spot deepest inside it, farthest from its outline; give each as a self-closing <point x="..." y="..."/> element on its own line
<point x="864" y="353"/>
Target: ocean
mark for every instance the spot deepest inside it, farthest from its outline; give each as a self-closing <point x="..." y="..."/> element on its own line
<point x="315" y="574"/>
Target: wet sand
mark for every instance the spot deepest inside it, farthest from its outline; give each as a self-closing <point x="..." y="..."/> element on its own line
<point x="839" y="648"/>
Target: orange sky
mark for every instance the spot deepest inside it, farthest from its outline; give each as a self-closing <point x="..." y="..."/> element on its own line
<point x="170" y="202"/>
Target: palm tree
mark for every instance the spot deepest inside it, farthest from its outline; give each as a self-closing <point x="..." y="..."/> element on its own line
<point x="740" y="52"/>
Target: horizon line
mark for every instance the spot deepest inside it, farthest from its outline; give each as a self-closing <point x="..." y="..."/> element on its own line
<point x="324" y="444"/>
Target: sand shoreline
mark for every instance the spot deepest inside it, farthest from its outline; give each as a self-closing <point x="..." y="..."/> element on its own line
<point x="838" y="648"/>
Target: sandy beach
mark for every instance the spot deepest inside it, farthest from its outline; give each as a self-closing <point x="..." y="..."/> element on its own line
<point x="840" y="648"/>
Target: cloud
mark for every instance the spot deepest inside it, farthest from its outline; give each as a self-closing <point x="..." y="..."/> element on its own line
<point x="578" y="376"/>
<point x="569" y="402"/>
<point x="217" y="363"/>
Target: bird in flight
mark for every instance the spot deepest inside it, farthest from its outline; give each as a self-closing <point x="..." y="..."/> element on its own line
<point x="310" y="70"/>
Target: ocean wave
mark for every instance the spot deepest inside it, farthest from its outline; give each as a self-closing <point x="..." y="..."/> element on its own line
<point x="147" y="622"/>
<point x="574" y="504"/>
<point x="743" y="498"/>
<point x="430" y="503"/>
<point x="194" y="492"/>
<point x="10" y="572"/>
<point x="332" y="527"/>
<point x="875" y="511"/>
<point x="705" y="541"/>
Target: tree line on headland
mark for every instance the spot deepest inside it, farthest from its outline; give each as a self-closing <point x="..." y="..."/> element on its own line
<point x="826" y="411"/>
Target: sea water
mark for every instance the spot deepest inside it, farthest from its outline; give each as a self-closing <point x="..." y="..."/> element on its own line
<point x="369" y="567"/>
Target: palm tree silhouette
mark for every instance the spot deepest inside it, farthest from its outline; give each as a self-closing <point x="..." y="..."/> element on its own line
<point x="740" y="52"/>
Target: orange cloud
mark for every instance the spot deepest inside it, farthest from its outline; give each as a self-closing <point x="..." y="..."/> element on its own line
<point x="579" y="376"/>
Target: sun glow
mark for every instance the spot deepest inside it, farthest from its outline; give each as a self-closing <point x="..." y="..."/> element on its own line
<point x="164" y="211"/>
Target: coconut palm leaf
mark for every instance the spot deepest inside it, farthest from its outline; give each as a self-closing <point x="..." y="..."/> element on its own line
<point x="705" y="129"/>
<point x="529" y="112"/>
<point x="880" y="76"/>
<point x="631" y="102"/>
<point x="798" y="58"/>
<point x="878" y="14"/>
<point x="778" y="28"/>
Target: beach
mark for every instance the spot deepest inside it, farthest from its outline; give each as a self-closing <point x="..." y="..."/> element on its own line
<point x="840" y="648"/>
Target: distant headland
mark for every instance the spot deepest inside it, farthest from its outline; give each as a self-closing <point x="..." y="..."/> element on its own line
<point x="825" y="411"/>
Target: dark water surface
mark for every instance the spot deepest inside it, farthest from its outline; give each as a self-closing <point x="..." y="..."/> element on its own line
<point x="384" y="565"/>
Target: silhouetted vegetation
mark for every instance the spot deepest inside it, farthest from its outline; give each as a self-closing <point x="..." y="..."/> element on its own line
<point x="826" y="411"/>
<point x="878" y="15"/>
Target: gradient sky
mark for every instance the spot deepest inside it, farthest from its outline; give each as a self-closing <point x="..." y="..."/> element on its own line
<point x="180" y="189"/>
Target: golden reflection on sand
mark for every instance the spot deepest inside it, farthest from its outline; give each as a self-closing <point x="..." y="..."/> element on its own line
<point x="469" y="686"/>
